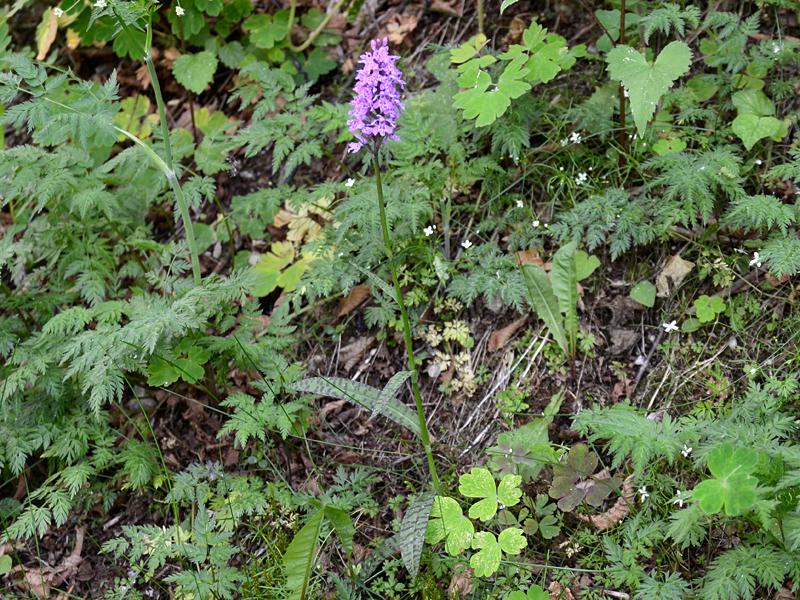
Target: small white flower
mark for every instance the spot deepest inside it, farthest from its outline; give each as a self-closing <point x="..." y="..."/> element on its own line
<point x="564" y="142"/>
<point x="575" y="137"/>
<point x="466" y="244"/>
<point x="643" y="493"/>
<point x="58" y="12"/>
<point x="680" y="498"/>
<point x="520" y="204"/>
<point x="581" y="178"/>
<point x="758" y="161"/>
<point x="536" y="223"/>
<point x="670" y="327"/>
<point x="687" y="450"/>
<point x="179" y="10"/>
<point x="626" y="93"/>
<point x="428" y="231"/>
<point x="756" y="260"/>
<point x="100" y="4"/>
<point x="349" y="183"/>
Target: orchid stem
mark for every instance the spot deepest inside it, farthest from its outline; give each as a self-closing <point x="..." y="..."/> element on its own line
<point x="411" y="362"/>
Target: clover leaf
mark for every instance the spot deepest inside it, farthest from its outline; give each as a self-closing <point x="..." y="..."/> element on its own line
<point x="486" y="562"/>
<point x="448" y="523"/>
<point x="708" y="307"/>
<point x="733" y="488"/>
<point x="574" y="481"/>
<point x="479" y="483"/>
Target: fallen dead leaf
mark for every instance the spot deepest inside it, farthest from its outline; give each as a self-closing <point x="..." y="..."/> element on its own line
<point x="515" y="29"/>
<point x="460" y="582"/>
<point x="39" y="580"/>
<point x="622" y="340"/>
<point x="529" y="257"/>
<point x="351" y="354"/>
<point x="46" y="33"/>
<point x="445" y="8"/>
<point x="499" y="338"/>
<point x="672" y="275"/>
<point x="399" y="26"/>
<point x="354" y="299"/>
<point x="559" y="592"/>
<point x="332" y="406"/>
<point x="616" y="513"/>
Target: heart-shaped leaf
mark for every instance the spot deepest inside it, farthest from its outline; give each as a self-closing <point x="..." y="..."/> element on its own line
<point x="750" y="128"/>
<point x="647" y="82"/>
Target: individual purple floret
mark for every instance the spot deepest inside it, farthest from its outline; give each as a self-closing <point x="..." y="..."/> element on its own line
<point x="377" y="104"/>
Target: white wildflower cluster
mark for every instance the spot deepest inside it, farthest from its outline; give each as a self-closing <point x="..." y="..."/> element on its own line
<point x="58" y="12"/>
<point x="582" y="178"/>
<point x="179" y="10"/>
<point x="670" y="327"/>
<point x="574" y="138"/>
<point x="756" y="260"/>
<point x="428" y="231"/>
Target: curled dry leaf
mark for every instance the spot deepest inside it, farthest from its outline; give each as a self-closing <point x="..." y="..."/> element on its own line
<point x="559" y="592"/>
<point x="351" y="354"/>
<point x="529" y="257"/>
<point x="38" y="581"/>
<point x="616" y="513"/>
<point x="46" y="33"/>
<point x="353" y="300"/>
<point x="672" y="275"/>
<point x="461" y="582"/>
<point x="399" y="26"/>
<point x="500" y="337"/>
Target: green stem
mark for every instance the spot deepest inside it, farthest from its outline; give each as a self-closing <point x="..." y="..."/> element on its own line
<point x="172" y="177"/>
<point x="412" y="365"/>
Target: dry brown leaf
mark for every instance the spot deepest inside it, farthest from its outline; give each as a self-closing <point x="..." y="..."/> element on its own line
<point x="515" y="29"/>
<point x="616" y="513"/>
<point x="351" y="354"/>
<point x="460" y="582"/>
<point x="444" y="8"/>
<point x="354" y="299"/>
<point x="529" y="257"/>
<point x="559" y="592"/>
<point x="38" y="581"/>
<point x="73" y="39"/>
<point x="332" y="406"/>
<point x="672" y="275"/>
<point x="400" y="26"/>
<point x="500" y="337"/>
<point x="46" y="33"/>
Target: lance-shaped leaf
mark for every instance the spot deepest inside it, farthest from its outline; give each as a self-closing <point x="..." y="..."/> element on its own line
<point x="390" y="390"/>
<point x="361" y="394"/>
<point x="544" y="303"/>
<point x="411" y="537"/>
<point x="299" y="557"/>
<point x="564" y="279"/>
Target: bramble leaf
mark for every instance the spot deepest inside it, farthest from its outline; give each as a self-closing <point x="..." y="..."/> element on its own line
<point x="195" y="71"/>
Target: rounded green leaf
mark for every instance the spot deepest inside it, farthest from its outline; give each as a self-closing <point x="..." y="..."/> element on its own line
<point x="485" y="562"/>
<point x="195" y="71"/>
<point x="479" y="483"/>
<point x="508" y="492"/>
<point x="644" y="293"/>
<point x="512" y="540"/>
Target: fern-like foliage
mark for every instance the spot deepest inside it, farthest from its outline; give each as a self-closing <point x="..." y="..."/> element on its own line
<point x="668" y="17"/>
<point x="491" y="274"/>
<point x="754" y="213"/>
<point x="630" y="433"/>
<point x="735" y="574"/>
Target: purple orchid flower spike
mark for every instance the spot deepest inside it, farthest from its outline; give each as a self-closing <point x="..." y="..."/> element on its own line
<point x="377" y="105"/>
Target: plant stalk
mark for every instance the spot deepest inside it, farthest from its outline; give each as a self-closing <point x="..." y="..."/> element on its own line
<point x="412" y="365"/>
<point x="622" y="138"/>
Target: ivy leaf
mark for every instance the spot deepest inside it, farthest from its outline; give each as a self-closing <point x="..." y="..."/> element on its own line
<point x="708" y="308"/>
<point x="195" y="71"/>
<point x="485" y="562"/>
<point x="646" y="82"/>
<point x="733" y="488"/>
<point x="479" y="483"/>
<point x="447" y="522"/>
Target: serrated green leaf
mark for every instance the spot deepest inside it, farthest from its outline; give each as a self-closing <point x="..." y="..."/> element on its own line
<point x="266" y="30"/>
<point x="195" y="71"/>
<point x="479" y="483"/>
<point x="647" y="83"/>
<point x="468" y="49"/>
<point x="485" y="562"/>
<point x="512" y="540"/>
<point x="447" y="522"/>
